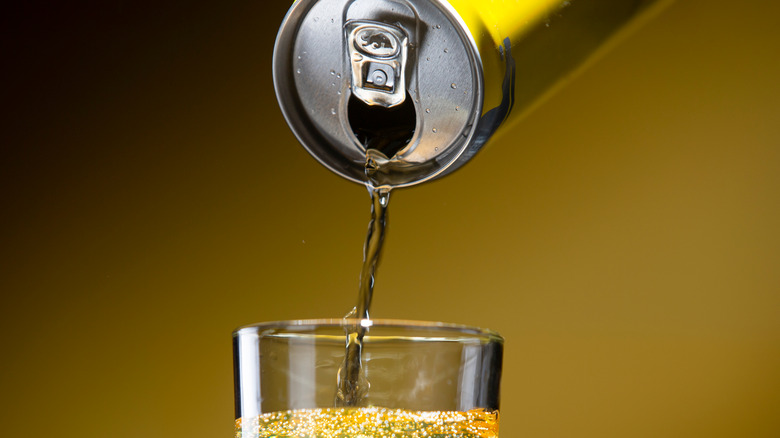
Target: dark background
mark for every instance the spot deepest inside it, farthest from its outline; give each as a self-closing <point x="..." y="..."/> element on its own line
<point x="623" y="237"/>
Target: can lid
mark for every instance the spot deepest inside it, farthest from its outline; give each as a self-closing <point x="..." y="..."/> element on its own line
<point x="399" y="79"/>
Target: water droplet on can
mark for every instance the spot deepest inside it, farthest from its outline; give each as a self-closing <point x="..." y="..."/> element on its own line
<point x="457" y="108"/>
<point x="453" y="85"/>
<point x="333" y="111"/>
<point x="435" y="130"/>
<point x="332" y="72"/>
<point x="438" y="26"/>
<point x="428" y="110"/>
<point x="446" y="50"/>
<point x="298" y="71"/>
<point x="338" y="75"/>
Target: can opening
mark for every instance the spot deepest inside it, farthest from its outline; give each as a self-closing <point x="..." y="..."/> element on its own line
<point x="387" y="130"/>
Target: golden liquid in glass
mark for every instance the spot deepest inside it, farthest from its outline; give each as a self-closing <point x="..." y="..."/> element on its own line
<point x="370" y="422"/>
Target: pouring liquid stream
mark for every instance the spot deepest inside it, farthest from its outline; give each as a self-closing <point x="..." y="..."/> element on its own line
<point x="352" y="384"/>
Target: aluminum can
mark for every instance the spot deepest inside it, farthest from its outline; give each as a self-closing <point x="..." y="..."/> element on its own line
<point x="397" y="92"/>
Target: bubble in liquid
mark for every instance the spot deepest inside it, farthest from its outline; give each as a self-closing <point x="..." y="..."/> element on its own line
<point x="428" y="59"/>
<point x="453" y="85"/>
<point x="457" y="108"/>
<point x="338" y="75"/>
<point x="438" y="26"/>
<point x="446" y="50"/>
<point x="428" y="110"/>
<point x="435" y="130"/>
<point x="436" y="149"/>
<point x="332" y="72"/>
<point x="298" y="71"/>
<point x="333" y="111"/>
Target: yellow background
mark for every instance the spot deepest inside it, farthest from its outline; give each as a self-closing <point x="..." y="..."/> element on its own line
<point x="623" y="237"/>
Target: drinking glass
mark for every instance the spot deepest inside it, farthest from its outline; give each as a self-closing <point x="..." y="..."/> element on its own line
<point x="422" y="379"/>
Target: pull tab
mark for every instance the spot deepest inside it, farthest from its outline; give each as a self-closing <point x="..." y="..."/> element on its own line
<point x="377" y="53"/>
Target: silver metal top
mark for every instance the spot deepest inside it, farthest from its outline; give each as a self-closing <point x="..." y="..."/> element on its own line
<point x="382" y="52"/>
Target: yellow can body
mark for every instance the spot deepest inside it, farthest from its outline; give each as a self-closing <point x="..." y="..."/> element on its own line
<point x="550" y="40"/>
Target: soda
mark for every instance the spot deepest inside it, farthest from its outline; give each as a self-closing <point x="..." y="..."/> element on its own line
<point x="371" y="422"/>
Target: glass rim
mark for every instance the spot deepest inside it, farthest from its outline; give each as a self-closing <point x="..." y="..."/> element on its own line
<point x="303" y="324"/>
